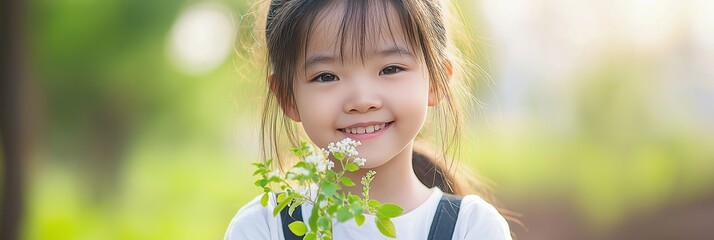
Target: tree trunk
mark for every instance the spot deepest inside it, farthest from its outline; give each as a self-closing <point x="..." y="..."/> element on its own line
<point x="11" y="137"/>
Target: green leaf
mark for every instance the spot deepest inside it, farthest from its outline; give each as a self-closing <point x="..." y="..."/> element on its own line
<point x="302" y="165"/>
<point x="332" y="209"/>
<point x="310" y="236"/>
<point x="313" y="217"/>
<point x="344" y="214"/>
<point x="386" y="227"/>
<point x="359" y="219"/>
<point x="328" y="188"/>
<point x="274" y="179"/>
<point x="298" y="228"/>
<point x="259" y="171"/>
<point x="324" y="222"/>
<point x="351" y="167"/>
<point x="294" y="205"/>
<point x="281" y="206"/>
<point x="347" y="181"/>
<point x="354" y="198"/>
<point x="389" y="210"/>
<point x="356" y="207"/>
<point x="331" y="175"/>
<point x="374" y="203"/>
<point x="261" y="182"/>
<point x="339" y="156"/>
<point x="264" y="200"/>
<point x="315" y="178"/>
<point x="281" y="197"/>
<point x="296" y="151"/>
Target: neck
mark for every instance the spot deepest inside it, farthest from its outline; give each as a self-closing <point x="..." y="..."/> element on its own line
<point x="395" y="182"/>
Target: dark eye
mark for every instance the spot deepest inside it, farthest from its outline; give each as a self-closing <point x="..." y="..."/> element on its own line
<point x="390" y="70"/>
<point x="326" y="77"/>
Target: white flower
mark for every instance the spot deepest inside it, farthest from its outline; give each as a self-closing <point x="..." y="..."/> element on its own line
<point x="347" y="146"/>
<point x="300" y="171"/>
<point x="360" y="161"/>
<point x="313" y="159"/>
<point x="321" y="167"/>
<point x="332" y="148"/>
<point x="325" y="165"/>
<point x="290" y="176"/>
<point x="273" y="173"/>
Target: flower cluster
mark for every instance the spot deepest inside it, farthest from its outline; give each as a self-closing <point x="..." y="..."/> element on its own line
<point x="347" y="146"/>
<point x="315" y="171"/>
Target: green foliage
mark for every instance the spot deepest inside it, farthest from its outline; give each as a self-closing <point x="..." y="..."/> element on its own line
<point x="315" y="169"/>
<point x="298" y="227"/>
<point x="388" y="210"/>
<point x="386" y="227"/>
<point x="351" y="167"/>
<point x="329" y="188"/>
<point x="347" y="182"/>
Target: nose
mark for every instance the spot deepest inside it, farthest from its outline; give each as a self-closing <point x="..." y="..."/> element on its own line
<point x="364" y="96"/>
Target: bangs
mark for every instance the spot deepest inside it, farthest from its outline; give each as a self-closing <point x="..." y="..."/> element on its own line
<point x="360" y="25"/>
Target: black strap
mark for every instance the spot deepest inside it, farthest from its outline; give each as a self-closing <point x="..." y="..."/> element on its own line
<point x="288" y="219"/>
<point x="442" y="227"/>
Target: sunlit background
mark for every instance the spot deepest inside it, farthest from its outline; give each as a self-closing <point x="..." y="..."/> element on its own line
<point x="139" y="117"/>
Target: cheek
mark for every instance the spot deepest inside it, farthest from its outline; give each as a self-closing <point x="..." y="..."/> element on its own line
<point x="410" y="97"/>
<point x="414" y="104"/>
<point x="317" y="115"/>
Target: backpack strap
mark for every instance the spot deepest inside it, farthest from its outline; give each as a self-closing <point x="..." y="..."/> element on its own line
<point x="287" y="219"/>
<point x="442" y="227"/>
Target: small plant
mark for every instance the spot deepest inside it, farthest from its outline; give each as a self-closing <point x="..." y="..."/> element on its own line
<point x="314" y="171"/>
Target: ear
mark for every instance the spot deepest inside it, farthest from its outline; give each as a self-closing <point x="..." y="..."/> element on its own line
<point x="291" y="111"/>
<point x="435" y="97"/>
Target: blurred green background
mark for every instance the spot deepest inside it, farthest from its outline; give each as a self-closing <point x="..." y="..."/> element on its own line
<point x="597" y="119"/>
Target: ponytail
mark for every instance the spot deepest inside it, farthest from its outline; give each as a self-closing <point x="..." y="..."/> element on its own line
<point x="434" y="173"/>
<point x="442" y="171"/>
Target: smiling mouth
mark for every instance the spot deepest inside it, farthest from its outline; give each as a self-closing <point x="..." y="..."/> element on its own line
<point x="365" y="130"/>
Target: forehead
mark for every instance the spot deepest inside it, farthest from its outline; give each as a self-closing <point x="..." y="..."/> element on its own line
<point x="355" y="32"/>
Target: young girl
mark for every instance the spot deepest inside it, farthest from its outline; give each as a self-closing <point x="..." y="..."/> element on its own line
<point x="369" y="70"/>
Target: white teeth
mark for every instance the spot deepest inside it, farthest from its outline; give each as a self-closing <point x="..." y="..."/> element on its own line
<point x="362" y="130"/>
<point x="369" y="129"/>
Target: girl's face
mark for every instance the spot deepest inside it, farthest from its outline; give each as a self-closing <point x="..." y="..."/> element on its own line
<point x="380" y="99"/>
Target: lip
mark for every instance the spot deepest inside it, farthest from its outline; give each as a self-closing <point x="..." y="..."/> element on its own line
<point x="365" y="136"/>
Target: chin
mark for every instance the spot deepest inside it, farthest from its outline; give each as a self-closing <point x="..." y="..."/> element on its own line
<point x="374" y="161"/>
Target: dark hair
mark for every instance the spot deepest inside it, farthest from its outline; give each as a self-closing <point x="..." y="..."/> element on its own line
<point x="286" y="30"/>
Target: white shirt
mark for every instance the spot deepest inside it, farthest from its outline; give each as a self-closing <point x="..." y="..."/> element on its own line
<point x="477" y="220"/>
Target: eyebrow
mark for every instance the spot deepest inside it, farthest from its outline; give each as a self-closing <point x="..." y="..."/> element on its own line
<point x="326" y="58"/>
<point x="319" y="59"/>
<point x="395" y="50"/>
